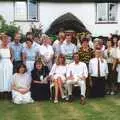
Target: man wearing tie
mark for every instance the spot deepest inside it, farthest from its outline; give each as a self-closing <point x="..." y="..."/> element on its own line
<point x="98" y="71"/>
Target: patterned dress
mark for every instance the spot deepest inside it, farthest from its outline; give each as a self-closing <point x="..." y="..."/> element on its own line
<point x="86" y="55"/>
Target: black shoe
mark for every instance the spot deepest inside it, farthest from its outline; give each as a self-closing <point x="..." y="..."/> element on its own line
<point x="82" y="100"/>
<point x="70" y="98"/>
<point x="63" y="99"/>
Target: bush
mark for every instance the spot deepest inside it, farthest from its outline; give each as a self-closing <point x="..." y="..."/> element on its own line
<point x="8" y="29"/>
<point x="23" y="38"/>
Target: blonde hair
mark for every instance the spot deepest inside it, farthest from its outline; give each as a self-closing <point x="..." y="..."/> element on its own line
<point x="58" y="57"/>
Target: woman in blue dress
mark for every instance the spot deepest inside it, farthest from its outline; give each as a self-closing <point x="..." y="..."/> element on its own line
<point x="29" y="55"/>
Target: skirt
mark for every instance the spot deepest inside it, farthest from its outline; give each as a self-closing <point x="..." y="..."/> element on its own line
<point x="19" y="98"/>
<point x="40" y="91"/>
<point x="6" y="71"/>
<point x="62" y="77"/>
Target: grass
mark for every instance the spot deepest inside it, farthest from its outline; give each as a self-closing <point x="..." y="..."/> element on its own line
<point x="107" y="108"/>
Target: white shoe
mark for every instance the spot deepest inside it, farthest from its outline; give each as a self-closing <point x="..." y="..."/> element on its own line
<point x="107" y="93"/>
<point x="55" y="101"/>
<point x="112" y="93"/>
<point x="67" y="98"/>
<point x="63" y="97"/>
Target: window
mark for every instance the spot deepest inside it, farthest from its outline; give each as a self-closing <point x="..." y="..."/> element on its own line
<point x="26" y="11"/>
<point x="106" y="12"/>
<point x="32" y="10"/>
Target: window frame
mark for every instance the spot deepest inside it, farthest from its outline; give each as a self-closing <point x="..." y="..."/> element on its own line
<point x="108" y="21"/>
<point x="27" y="13"/>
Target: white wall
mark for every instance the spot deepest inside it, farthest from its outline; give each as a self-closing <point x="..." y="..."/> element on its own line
<point x="86" y="12"/>
<point x="7" y="11"/>
<point x="48" y="12"/>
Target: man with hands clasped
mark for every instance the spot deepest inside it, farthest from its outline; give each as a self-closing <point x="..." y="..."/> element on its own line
<point x="76" y="74"/>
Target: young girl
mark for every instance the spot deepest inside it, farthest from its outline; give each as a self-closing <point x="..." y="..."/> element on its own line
<point x="21" y="86"/>
<point x="57" y="74"/>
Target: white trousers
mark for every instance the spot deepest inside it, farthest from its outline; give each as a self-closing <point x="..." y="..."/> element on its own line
<point x="80" y="83"/>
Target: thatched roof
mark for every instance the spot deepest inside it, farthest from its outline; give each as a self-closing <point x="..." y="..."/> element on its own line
<point x="67" y="22"/>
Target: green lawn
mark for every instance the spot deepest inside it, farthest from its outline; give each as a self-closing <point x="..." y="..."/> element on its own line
<point x="107" y="108"/>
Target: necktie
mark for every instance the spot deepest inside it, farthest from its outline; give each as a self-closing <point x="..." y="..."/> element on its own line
<point x="98" y="68"/>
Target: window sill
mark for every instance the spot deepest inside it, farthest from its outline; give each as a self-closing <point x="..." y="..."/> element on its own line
<point x="26" y="20"/>
<point x="106" y="22"/>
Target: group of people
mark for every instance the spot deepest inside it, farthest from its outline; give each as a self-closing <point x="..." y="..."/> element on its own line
<point x="30" y="70"/>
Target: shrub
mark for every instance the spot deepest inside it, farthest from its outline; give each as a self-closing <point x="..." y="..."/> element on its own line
<point x="10" y="29"/>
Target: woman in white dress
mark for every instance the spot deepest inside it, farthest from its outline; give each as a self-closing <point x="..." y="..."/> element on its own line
<point x="29" y="55"/>
<point x="6" y="67"/>
<point x="109" y="56"/>
<point x="21" y="86"/>
<point x="118" y="63"/>
<point x="57" y="74"/>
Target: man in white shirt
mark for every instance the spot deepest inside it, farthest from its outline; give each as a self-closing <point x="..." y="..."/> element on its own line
<point x="98" y="70"/>
<point x="47" y="52"/>
<point x="76" y="74"/>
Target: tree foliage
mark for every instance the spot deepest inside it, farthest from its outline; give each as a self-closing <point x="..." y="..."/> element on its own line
<point x="9" y="29"/>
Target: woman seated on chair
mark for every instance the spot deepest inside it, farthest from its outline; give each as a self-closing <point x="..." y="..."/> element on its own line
<point x="57" y="75"/>
<point x="21" y="86"/>
<point x="40" y="86"/>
